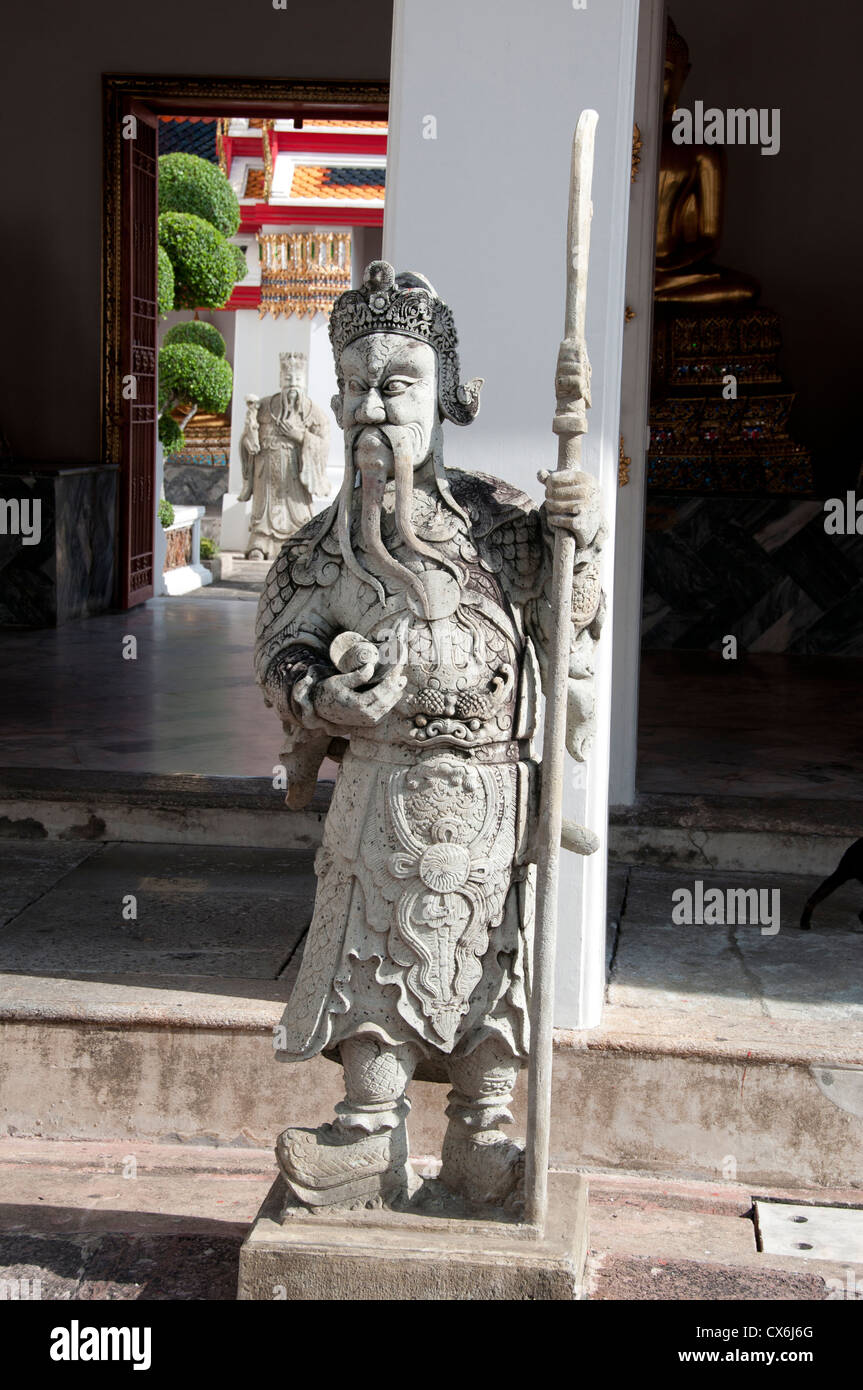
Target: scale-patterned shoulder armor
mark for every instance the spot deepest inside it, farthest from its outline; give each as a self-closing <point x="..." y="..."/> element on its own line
<point x="507" y="531"/>
<point x="309" y="559"/>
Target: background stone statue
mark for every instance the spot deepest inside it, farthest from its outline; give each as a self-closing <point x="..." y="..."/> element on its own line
<point x="405" y="631"/>
<point x="284" y="449"/>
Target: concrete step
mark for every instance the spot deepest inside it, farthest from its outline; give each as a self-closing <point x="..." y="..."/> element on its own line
<point x="758" y="834"/>
<point x="723" y="1050"/>
<point x="189" y="1059"/>
<point x="152" y="808"/>
<point x="234" y="566"/>
<point x="109" y="1220"/>
<point x="724" y="833"/>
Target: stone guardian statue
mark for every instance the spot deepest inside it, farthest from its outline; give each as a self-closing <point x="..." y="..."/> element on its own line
<point x="283" y="449"/>
<point x="405" y="631"/>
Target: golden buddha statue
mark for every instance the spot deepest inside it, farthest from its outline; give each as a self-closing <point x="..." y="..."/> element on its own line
<point x="689" y="209"/>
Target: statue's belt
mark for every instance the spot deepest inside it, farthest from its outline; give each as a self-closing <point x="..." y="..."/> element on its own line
<point x="404" y="755"/>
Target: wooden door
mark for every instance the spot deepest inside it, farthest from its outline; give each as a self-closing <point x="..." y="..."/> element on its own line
<point x="138" y="317"/>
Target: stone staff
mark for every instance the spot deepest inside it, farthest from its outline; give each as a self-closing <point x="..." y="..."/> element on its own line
<point x="572" y="389"/>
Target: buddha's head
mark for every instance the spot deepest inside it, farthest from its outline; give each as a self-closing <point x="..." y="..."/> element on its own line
<point x="677" y="67"/>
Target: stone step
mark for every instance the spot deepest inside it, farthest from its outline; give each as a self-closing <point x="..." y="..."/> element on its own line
<point x="235" y="566"/>
<point x="110" y="1220"/>
<point x="189" y="1059"/>
<point x="695" y="833"/>
<point x="143" y="984"/>
<point x="766" y="835"/>
<point x="151" y="808"/>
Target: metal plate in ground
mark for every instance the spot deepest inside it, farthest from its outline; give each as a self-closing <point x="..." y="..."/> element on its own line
<point x="814" y="1233"/>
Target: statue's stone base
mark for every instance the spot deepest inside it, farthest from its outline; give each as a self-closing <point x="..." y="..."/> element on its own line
<point x="364" y="1255"/>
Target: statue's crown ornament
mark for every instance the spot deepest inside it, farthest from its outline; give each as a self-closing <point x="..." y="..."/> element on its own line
<point x="292" y="359"/>
<point x="406" y="303"/>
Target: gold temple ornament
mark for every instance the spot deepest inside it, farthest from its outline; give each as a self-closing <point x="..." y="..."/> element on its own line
<point x="637" y="143"/>
<point x="624" y="463"/>
<point x="266" y="127"/>
<point x="303" y="272"/>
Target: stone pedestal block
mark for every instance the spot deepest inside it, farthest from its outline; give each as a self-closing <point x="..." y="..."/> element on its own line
<point x="388" y="1255"/>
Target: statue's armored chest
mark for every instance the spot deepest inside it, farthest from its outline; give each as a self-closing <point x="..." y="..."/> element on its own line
<point x="461" y="664"/>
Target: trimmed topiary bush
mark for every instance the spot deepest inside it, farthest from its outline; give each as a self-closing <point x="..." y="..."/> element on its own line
<point x="165" y="512"/>
<point x="171" y="435"/>
<point x="190" y="184"/>
<point x="166" y="282"/>
<point x="190" y="374"/>
<point x="206" y="335"/>
<point x="242" y="263"/>
<point x="205" y="268"/>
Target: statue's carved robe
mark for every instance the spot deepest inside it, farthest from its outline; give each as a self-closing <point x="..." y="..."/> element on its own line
<point x="284" y="475"/>
<point x="422" y="920"/>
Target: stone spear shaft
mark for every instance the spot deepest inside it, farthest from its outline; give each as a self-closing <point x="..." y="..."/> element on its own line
<point x="570" y="423"/>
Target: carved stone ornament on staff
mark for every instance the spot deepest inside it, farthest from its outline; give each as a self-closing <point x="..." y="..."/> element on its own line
<point x="303" y="272"/>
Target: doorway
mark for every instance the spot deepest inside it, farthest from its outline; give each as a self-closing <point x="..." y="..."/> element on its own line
<point x="131" y="108"/>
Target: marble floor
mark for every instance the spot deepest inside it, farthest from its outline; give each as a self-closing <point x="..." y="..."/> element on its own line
<point x="766" y="725"/>
<point x="187" y="703"/>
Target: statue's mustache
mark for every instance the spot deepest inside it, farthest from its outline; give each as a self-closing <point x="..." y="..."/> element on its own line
<point x="396" y="440"/>
<point x="378" y="452"/>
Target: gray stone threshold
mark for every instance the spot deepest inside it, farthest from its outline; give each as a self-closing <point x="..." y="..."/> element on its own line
<point x="769" y="834"/>
<point x="662" y="1091"/>
<point x="735" y="833"/>
<point x="38" y="804"/>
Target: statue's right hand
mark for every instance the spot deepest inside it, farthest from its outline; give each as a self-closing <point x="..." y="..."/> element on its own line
<point x="338" y="700"/>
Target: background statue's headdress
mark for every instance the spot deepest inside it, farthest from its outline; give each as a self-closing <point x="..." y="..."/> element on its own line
<point x="407" y="304"/>
<point x="292" y="359"/>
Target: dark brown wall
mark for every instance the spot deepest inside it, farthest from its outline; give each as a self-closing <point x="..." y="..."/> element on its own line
<point x="795" y="219"/>
<point x="50" y="109"/>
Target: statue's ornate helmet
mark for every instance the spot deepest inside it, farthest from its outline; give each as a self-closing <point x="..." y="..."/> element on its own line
<point x="406" y="304"/>
<point x="292" y="362"/>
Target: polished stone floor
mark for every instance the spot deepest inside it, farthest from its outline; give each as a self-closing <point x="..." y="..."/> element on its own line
<point x="187" y="703"/>
<point x="766" y="725"/>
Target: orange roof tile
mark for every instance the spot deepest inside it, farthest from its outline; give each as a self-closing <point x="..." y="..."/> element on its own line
<point x="255" y="179"/>
<point x="312" y="181"/>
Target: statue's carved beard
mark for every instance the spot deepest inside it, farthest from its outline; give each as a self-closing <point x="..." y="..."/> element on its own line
<point x="408" y="447"/>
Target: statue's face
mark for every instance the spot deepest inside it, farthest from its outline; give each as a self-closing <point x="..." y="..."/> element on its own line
<point x="386" y="379"/>
<point x="293" y="377"/>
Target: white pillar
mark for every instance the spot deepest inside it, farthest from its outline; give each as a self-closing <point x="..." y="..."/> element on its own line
<point x="634" y="406"/>
<point x="484" y="101"/>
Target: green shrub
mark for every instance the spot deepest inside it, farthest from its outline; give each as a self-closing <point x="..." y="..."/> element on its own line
<point x="189" y="373"/>
<point x="166" y="283"/>
<point x="170" y="434"/>
<point x="190" y="184"/>
<point x="165" y="513"/>
<point x="205" y="268"/>
<point x="209" y="548"/>
<point x="242" y="263"/>
<point x="206" y="335"/>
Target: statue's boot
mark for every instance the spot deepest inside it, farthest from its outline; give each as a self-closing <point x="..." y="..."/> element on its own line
<point x="364" y="1154"/>
<point x="335" y="1166"/>
<point x="478" y="1161"/>
<point x="483" y="1166"/>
